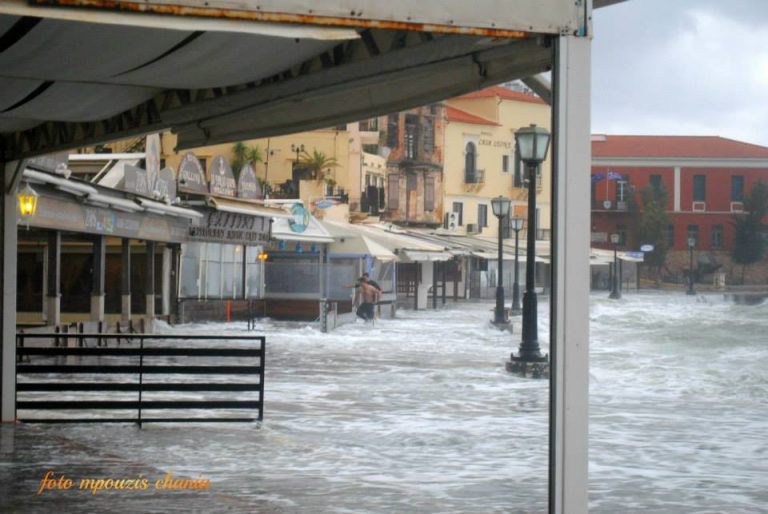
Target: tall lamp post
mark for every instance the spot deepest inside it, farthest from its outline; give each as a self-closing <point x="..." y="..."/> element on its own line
<point x="500" y="206"/>
<point x="517" y="226"/>
<point x="691" y="244"/>
<point x="615" y="293"/>
<point x="532" y="143"/>
<point x="297" y="149"/>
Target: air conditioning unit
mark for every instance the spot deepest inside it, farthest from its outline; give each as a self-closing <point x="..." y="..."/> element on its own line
<point x="451" y="221"/>
<point x="699" y="206"/>
<point x="473" y="228"/>
<point x="737" y="206"/>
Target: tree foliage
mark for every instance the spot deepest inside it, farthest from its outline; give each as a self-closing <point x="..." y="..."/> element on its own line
<point x="748" y="243"/>
<point x="243" y="154"/>
<point x="316" y="163"/>
<point x="651" y="226"/>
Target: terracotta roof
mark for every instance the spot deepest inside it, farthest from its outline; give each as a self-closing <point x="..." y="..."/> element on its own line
<point x="455" y="114"/>
<point x="502" y="92"/>
<point x="674" y="146"/>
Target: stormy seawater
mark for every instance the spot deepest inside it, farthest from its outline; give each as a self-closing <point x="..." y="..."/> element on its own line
<point x="417" y="414"/>
<point x="678" y="405"/>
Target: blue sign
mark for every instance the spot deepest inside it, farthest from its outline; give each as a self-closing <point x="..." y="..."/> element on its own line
<point x="300" y="218"/>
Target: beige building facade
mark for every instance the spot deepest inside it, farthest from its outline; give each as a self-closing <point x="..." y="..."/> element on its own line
<point x="480" y="159"/>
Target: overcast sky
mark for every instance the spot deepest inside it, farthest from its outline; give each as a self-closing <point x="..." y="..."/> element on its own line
<point x="683" y="67"/>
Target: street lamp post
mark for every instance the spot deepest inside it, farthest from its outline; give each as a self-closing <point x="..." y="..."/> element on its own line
<point x="615" y="293"/>
<point x="517" y="226"/>
<point x="691" y="244"/>
<point x="500" y="206"/>
<point x="532" y="143"/>
<point x="297" y="149"/>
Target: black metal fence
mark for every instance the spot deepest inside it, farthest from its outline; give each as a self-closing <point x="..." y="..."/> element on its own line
<point x="143" y="377"/>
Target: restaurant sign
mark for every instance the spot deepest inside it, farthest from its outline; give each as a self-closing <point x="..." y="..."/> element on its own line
<point x="64" y="214"/>
<point x="191" y="175"/>
<point x="136" y="181"/>
<point x="234" y="228"/>
<point x="166" y="184"/>
<point x="222" y="179"/>
<point x="247" y="184"/>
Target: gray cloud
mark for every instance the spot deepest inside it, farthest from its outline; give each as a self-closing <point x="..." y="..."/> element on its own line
<point x="682" y="67"/>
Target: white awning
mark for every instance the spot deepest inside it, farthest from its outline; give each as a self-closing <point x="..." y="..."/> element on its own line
<point x="245" y="207"/>
<point x="163" y="208"/>
<point x="313" y="233"/>
<point x="419" y="256"/>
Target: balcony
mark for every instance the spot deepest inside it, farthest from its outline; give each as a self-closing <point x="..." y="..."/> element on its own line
<point x="474" y="177"/>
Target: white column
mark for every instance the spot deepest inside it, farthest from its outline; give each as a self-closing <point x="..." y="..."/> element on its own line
<point x="9" y="260"/>
<point x="676" y="192"/>
<point x="166" y="293"/>
<point x="570" y="293"/>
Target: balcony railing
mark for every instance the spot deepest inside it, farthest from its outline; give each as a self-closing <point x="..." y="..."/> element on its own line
<point x="474" y="177"/>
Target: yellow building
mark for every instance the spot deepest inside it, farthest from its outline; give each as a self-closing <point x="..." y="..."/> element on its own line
<point x="480" y="159"/>
<point x="280" y="156"/>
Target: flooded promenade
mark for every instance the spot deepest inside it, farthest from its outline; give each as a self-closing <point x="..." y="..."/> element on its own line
<point x="417" y="414"/>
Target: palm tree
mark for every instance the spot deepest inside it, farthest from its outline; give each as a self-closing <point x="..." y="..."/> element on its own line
<point x="317" y="163"/>
<point x="245" y="154"/>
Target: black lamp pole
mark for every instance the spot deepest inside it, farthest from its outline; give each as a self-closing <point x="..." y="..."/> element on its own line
<point x="691" y="244"/>
<point x="615" y="293"/>
<point x="532" y="143"/>
<point x="529" y="347"/>
<point x="500" y="206"/>
<point x="517" y="225"/>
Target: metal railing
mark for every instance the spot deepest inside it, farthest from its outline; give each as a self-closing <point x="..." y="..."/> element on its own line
<point x="54" y="370"/>
<point x="474" y="177"/>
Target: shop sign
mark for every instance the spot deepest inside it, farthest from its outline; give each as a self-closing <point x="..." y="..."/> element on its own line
<point x="247" y="184"/>
<point x="229" y="227"/>
<point x="69" y="215"/>
<point x="191" y="176"/>
<point x="136" y="181"/>
<point x="300" y="220"/>
<point x="222" y="179"/>
<point x="166" y="184"/>
<point x="152" y="160"/>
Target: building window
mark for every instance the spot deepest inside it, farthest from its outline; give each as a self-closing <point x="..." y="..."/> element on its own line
<point x="656" y="183"/>
<point x="470" y="163"/>
<point x="458" y="208"/>
<point x="717" y="236"/>
<point x="393" y="191"/>
<point x="518" y="179"/>
<point x="411" y="136"/>
<point x="482" y="215"/>
<point x="737" y="188"/>
<point x="393" y="130"/>
<point x="428" y="130"/>
<point x="429" y="194"/>
<point x="505" y="163"/>
<point x="693" y="232"/>
<point x="671" y="236"/>
<point x="699" y="188"/>
<point x="622" y="231"/>
<point x="621" y="191"/>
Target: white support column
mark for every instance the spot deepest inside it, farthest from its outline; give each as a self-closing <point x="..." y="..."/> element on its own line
<point x="676" y="192"/>
<point x="9" y="262"/>
<point x="166" y="271"/>
<point x="570" y="293"/>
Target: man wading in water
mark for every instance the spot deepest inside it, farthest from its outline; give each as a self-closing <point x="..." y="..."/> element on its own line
<point x="367" y="296"/>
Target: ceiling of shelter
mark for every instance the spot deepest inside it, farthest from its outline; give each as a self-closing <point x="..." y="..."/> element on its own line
<point x="69" y="83"/>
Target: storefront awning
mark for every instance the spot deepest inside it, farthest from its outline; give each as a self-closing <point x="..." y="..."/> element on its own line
<point x="419" y="256"/>
<point x="244" y="207"/>
<point x="492" y="256"/>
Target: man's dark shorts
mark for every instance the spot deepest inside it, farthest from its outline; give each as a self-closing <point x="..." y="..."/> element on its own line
<point x="365" y="311"/>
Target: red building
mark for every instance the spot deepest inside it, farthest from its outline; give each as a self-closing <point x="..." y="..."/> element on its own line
<point x="706" y="180"/>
